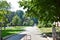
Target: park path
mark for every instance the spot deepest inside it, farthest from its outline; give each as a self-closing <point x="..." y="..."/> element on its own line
<point x="35" y="33"/>
<point x="32" y="31"/>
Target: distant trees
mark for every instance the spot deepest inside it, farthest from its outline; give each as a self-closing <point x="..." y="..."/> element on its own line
<point x="31" y="22"/>
<point x="28" y="22"/>
<point x="20" y="14"/>
<point x="16" y="20"/>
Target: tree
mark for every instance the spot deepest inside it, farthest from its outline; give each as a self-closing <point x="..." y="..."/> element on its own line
<point x="20" y="13"/>
<point x="4" y="6"/>
<point x="44" y="10"/>
<point x="37" y="9"/>
<point x="31" y="22"/>
<point x="5" y="22"/>
<point x="3" y="10"/>
<point x="28" y="21"/>
<point x="16" y="20"/>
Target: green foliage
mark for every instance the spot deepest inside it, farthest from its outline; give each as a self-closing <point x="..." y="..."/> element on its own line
<point x="25" y="23"/>
<point x="31" y="22"/>
<point x="3" y="9"/>
<point x="45" y="24"/>
<point x="44" y="10"/>
<point x="41" y="24"/>
<point x="9" y="24"/>
<point x="12" y="30"/>
<point x="40" y="9"/>
<point x="5" y="21"/>
<point x="28" y="22"/>
<point x="4" y="5"/>
<point x="16" y="20"/>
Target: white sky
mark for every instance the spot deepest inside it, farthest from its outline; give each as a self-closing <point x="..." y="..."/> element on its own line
<point x="15" y="5"/>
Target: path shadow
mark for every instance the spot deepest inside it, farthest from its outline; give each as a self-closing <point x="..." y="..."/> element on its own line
<point x="48" y="34"/>
<point x="45" y="34"/>
<point x="16" y="37"/>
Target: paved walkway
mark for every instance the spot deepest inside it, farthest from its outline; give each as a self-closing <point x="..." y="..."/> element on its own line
<point x="32" y="31"/>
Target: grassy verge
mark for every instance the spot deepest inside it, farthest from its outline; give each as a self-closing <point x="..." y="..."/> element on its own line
<point x="46" y="30"/>
<point x="12" y="30"/>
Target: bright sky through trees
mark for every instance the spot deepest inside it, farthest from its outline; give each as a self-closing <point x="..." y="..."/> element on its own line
<point x="15" y="5"/>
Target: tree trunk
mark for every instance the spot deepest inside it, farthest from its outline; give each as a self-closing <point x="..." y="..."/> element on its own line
<point x="54" y="33"/>
<point x="0" y="33"/>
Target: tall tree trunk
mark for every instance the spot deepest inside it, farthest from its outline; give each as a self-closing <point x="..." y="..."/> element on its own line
<point x="0" y="33"/>
<point x="54" y="33"/>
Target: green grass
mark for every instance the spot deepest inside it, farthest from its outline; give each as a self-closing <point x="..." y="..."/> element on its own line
<point x="48" y="31"/>
<point x="12" y="30"/>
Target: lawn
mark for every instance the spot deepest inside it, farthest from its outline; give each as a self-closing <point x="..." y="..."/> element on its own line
<point x="12" y="30"/>
<point x="48" y="31"/>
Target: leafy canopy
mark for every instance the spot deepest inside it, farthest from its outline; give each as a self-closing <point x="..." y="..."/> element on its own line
<point x="4" y="6"/>
<point x="47" y="10"/>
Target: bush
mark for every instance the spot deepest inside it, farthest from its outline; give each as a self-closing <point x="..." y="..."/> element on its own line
<point x="31" y="22"/>
<point x="16" y="20"/>
<point x="44" y="24"/>
<point x="41" y="24"/>
<point x="28" y="23"/>
<point x="49" y="24"/>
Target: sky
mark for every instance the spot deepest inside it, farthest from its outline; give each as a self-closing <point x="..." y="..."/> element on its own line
<point x="15" y="5"/>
